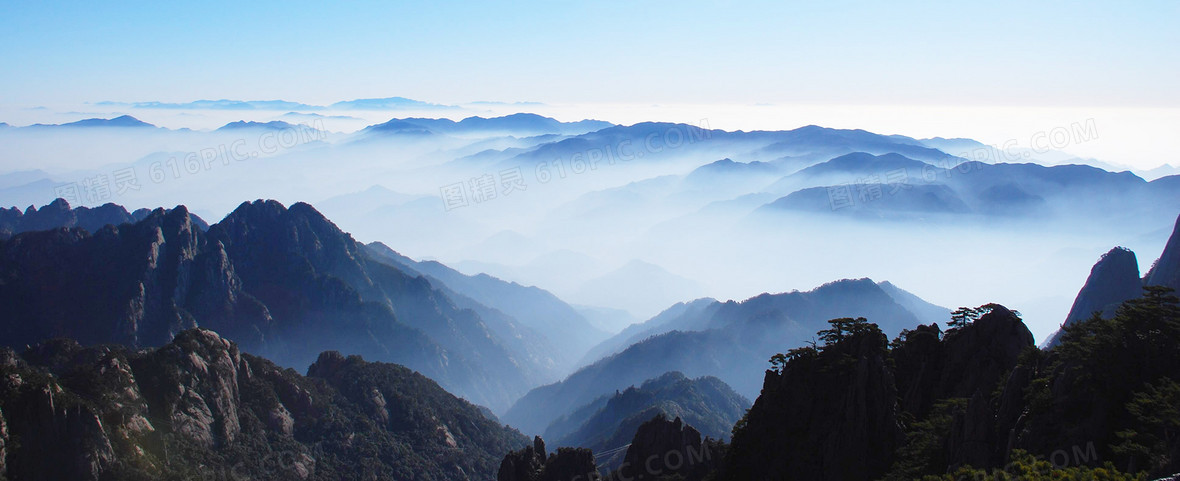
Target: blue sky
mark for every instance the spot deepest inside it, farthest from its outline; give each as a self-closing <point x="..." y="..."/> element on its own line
<point x="1120" y="54"/>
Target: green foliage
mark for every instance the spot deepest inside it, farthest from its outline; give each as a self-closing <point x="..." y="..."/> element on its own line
<point x="924" y="452"/>
<point x="778" y="361"/>
<point x="963" y="316"/>
<point x="845" y="328"/>
<point x="1156" y="412"/>
<point x="741" y="424"/>
<point x="1024" y="467"/>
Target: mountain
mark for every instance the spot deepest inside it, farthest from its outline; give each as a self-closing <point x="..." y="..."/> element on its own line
<point x="242" y="124"/>
<point x="23" y="177"/>
<point x="978" y="401"/>
<point x="521" y="124"/>
<point x="396" y="127"/>
<point x="223" y="104"/>
<point x="606" y="319"/>
<point x="284" y="283"/>
<point x="926" y="312"/>
<point x="706" y="313"/>
<point x="728" y="178"/>
<point x="648" y="142"/>
<point x="59" y="214"/>
<point x="730" y="340"/>
<point x="639" y="287"/>
<point x="198" y="407"/>
<point x="566" y="332"/>
<point x="726" y="167"/>
<point x="863" y="164"/>
<point x="120" y="121"/>
<point x="873" y="201"/>
<point x="609" y="422"/>
<point x="686" y="315"/>
<point x="1113" y="281"/>
<point x="388" y="103"/>
<point x="1166" y="270"/>
<point x="973" y="188"/>
<point x="833" y="411"/>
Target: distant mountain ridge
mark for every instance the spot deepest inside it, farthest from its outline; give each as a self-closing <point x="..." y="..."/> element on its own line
<point x="567" y="333"/>
<point x="59" y="214"/>
<point x="706" y="403"/>
<point x="730" y="340"/>
<point x="521" y="123"/>
<point x="122" y="121"/>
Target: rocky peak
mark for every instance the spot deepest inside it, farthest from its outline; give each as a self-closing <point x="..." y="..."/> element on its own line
<point x="533" y="464"/>
<point x="663" y="447"/>
<point x="1166" y="271"/>
<point x="982" y="353"/>
<point x="1114" y="279"/>
<point x="201" y="397"/>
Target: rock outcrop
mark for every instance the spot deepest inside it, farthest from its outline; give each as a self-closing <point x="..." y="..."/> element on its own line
<point x="198" y="405"/>
<point x="828" y="415"/>
<point x="533" y="464"/>
<point x="1113" y="280"/>
<point x="845" y="409"/>
<point x="666" y="449"/>
<point x="1166" y="271"/>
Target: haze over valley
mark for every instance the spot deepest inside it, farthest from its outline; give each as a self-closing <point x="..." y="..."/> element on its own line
<point x="576" y="241"/>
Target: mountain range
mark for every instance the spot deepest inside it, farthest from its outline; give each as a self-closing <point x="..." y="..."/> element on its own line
<point x="285" y="283"/>
<point x="729" y="340"/>
<point x="607" y="424"/>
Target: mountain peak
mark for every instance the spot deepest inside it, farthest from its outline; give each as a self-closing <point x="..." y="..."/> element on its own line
<point x="120" y="121"/>
<point x="244" y="124"/>
<point x="1114" y="279"/>
<point x="1166" y="271"/>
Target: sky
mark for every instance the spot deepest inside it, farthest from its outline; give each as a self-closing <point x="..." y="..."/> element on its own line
<point x="1011" y="53"/>
<point x="1117" y="59"/>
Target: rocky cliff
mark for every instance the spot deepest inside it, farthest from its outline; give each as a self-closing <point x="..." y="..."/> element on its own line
<point x="199" y="408"/>
<point x="1113" y="280"/>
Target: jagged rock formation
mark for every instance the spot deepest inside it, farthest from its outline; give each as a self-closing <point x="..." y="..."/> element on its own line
<point x="967" y="364"/>
<point x="659" y="449"/>
<point x="842" y="410"/>
<point x="663" y="449"/>
<point x="157" y="276"/>
<point x="1113" y="281"/>
<point x="286" y="284"/>
<point x="1166" y="271"/>
<point x="59" y="214"/>
<point x="533" y="464"/>
<point x="199" y="407"/>
<point x="828" y="415"/>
